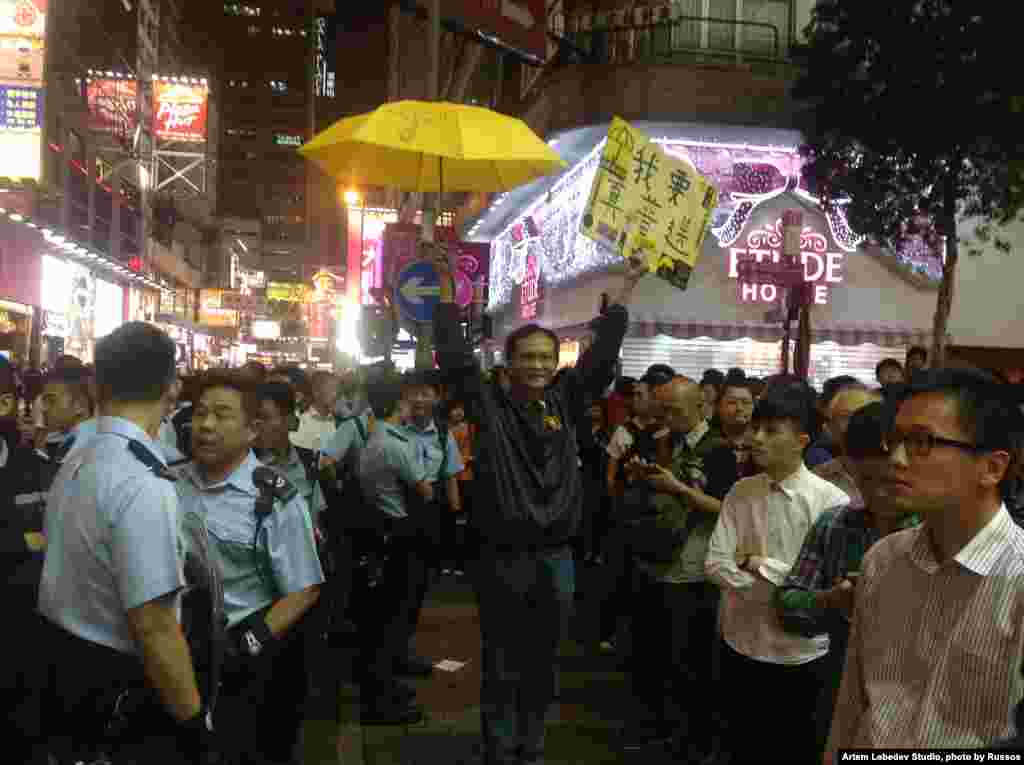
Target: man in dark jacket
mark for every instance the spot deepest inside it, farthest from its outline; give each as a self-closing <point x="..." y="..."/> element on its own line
<point x="527" y="466"/>
<point x="21" y="557"/>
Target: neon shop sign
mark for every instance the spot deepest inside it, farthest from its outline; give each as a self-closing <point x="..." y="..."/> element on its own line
<point x="821" y="268"/>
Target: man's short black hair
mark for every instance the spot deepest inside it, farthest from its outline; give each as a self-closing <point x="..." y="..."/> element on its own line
<point x="135" y="363"/>
<point x="657" y="375"/>
<point x="986" y="408"/>
<point x="528" y="331"/>
<point x="791" y="407"/>
<point x="887" y="363"/>
<point x="918" y="350"/>
<point x="713" y="377"/>
<point x="834" y="385"/>
<point x="867" y="429"/>
<point x="236" y="380"/>
<point x="281" y="394"/>
<point x="384" y="396"/>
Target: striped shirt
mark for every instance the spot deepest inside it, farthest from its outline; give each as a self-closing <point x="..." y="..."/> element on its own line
<point x="935" y="648"/>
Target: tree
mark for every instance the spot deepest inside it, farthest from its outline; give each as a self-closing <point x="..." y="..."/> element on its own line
<point x="909" y="112"/>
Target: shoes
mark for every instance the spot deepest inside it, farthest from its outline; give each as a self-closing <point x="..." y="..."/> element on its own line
<point x="390" y="714"/>
<point x="414" y="665"/>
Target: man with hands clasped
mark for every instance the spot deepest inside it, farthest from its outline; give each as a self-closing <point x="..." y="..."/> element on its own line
<point x="760" y="531"/>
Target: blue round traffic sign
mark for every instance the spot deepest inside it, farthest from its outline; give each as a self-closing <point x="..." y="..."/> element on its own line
<point x="418" y="291"/>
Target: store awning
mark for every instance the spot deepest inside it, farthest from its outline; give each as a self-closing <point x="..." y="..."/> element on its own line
<point x="846" y="333"/>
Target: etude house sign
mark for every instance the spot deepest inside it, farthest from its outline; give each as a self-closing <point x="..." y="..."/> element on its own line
<point x="821" y="267"/>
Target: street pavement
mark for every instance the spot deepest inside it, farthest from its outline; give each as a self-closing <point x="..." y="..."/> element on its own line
<point x="583" y="728"/>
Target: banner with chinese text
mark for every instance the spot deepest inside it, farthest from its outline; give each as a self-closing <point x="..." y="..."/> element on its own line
<point x="645" y="203"/>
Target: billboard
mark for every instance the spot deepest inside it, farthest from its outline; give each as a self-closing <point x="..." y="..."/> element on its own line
<point x="112" y="105"/>
<point x="180" y="110"/>
<point x="22" y="36"/>
<point x="22" y="48"/>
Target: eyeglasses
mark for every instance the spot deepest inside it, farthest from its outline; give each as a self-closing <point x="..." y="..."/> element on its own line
<point x="919" y="443"/>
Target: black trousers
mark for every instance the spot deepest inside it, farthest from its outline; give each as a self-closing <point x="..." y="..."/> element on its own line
<point x="262" y="702"/>
<point x="399" y="599"/>
<point x="79" y="687"/>
<point x="673" y="634"/>
<point x="765" y="703"/>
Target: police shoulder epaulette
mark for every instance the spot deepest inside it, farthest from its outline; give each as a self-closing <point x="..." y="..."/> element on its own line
<point x="276" y="484"/>
<point x="147" y="458"/>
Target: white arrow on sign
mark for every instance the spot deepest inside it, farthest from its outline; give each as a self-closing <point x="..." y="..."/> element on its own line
<point x="414" y="291"/>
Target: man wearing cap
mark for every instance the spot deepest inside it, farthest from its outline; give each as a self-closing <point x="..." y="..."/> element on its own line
<point x="527" y="467"/>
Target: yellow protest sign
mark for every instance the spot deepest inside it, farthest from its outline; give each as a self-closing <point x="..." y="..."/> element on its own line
<point x="613" y="196"/>
<point x="646" y="203"/>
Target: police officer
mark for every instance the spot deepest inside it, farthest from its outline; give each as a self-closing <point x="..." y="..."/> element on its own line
<point x="262" y="533"/>
<point x="394" y="479"/>
<point x="437" y="451"/>
<point x="114" y="569"/>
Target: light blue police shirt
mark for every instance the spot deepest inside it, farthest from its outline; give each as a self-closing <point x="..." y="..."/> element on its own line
<point x="284" y="559"/>
<point x="388" y="468"/>
<point x="431" y="455"/>
<point x="295" y="471"/>
<point x="84" y="431"/>
<point x="112" y="537"/>
<point x="347" y="437"/>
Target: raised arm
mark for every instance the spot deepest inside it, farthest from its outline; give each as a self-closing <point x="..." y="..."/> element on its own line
<point x="454" y="352"/>
<point x="595" y="369"/>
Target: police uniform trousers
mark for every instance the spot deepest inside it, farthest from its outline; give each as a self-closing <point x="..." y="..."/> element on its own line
<point x="81" y="686"/>
<point x="534" y="588"/>
<point x="400" y="594"/>
<point x="262" y="701"/>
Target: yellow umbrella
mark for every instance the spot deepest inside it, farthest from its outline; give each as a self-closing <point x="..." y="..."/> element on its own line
<point x="432" y="147"/>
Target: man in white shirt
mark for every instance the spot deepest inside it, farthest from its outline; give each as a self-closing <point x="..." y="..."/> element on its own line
<point x="320" y="420"/>
<point x="937" y="637"/>
<point x="758" y="537"/>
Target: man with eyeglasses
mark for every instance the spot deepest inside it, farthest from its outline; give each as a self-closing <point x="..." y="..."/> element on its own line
<point x="936" y="635"/>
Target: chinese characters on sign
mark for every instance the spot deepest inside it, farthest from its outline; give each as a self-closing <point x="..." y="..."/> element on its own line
<point x="529" y="291"/>
<point x="20" y="108"/>
<point x="821" y="268"/>
<point x="646" y="203"/>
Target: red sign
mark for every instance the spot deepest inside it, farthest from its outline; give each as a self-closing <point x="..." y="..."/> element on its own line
<point x="180" y="111"/>
<point x="520" y="24"/>
<point x="529" y="290"/>
<point x="112" y="105"/>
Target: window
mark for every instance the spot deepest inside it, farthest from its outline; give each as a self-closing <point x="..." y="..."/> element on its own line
<point x="247" y="133"/>
<point x="287" y="32"/>
<point x="254" y="30"/>
<point x="279" y="86"/>
<point x="238" y="83"/>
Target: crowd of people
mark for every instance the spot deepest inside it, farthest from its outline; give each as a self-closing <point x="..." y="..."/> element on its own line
<point x="783" y="569"/>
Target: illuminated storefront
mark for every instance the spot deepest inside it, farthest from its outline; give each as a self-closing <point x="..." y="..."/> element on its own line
<point x="868" y="304"/>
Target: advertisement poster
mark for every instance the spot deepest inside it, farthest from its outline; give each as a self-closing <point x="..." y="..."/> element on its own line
<point x="646" y="203"/>
<point x="21" y="108"/>
<point x="22" y="31"/>
<point x="112" y="105"/>
<point x="180" y="111"/>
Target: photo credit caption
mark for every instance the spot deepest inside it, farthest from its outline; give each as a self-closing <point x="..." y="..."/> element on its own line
<point x="928" y="755"/>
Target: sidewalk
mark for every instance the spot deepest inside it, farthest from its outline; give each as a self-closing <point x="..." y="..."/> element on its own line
<point x="583" y="726"/>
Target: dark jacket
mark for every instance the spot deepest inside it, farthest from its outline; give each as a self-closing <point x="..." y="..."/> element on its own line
<point x="22" y="502"/>
<point x="525" y="462"/>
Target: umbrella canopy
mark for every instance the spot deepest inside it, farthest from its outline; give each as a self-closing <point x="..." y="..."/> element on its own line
<point x="432" y="147"/>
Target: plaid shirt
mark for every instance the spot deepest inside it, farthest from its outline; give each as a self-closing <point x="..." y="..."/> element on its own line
<point x="834" y="547"/>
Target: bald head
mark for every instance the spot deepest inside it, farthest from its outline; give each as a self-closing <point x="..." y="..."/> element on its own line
<point x="681" y="404"/>
<point x="843" y="406"/>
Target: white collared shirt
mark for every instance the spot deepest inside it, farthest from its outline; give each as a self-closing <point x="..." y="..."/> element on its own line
<point x="770" y="520"/>
<point x="935" y="652"/>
